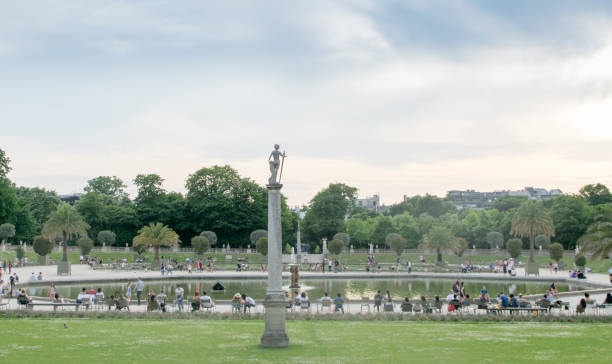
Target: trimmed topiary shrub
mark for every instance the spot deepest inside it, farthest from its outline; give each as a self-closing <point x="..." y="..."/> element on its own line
<point x="555" y="251"/>
<point x="346" y="238"/>
<point x="106" y="237"/>
<point x="396" y="243"/>
<point x="335" y="246"/>
<point x="200" y="244"/>
<point x="262" y="246"/>
<point x="42" y="246"/>
<point x="86" y="244"/>
<point x="210" y="235"/>
<point x="514" y="246"/>
<point x="580" y="261"/>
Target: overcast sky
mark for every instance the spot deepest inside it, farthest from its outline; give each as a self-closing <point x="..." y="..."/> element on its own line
<point x="392" y="97"/>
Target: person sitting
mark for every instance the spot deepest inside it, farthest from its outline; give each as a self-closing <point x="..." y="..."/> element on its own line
<point x="236" y="303"/>
<point x="161" y="300"/>
<point x="484" y="292"/>
<point x="247" y="302"/>
<point x="378" y="300"/>
<point x="99" y="295"/>
<point x="91" y="291"/>
<point x="23" y="298"/>
<point x="40" y="277"/>
<point x="195" y="302"/>
<point x="152" y="304"/>
<point x="523" y="303"/>
<point x="606" y="301"/>
<point x="513" y="301"/>
<point x="122" y="303"/>
<point x="303" y="301"/>
<point x="482" y="302"/>
<point x="581" y="308"/>
<point x="588" y="299"/>
<point x="206" y="301"/>
<point x="339" y="303"/>
<point x="580" y="275"/>
<point x="288" y="301"/>
<point x="503" y="300"/>
<point x="406" y="305"/>
<point x="451" y="296"/>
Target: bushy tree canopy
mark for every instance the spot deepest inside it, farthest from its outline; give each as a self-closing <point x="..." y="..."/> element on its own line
<point x="86" y="244"/>
<point x="106" y="237"/>
<point x="42" y="246"/>
<point x="200" y="244"/>
<point x="556" y="251"/>
<point x="514" y="247"/>
<point x="262" y="246"/>
<point x="335" y="246"/>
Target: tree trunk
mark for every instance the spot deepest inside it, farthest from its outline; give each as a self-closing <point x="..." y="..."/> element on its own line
<point x="531" y="245"/>
<point x="65" y="248"/>
<point x="156" y="254"/>
<point x="439" y="256"/>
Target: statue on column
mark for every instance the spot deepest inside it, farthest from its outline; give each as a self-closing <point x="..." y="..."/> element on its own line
<point x="276" y="164"/>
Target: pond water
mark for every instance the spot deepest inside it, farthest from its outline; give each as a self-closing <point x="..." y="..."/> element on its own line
<point x="351" y="288"/>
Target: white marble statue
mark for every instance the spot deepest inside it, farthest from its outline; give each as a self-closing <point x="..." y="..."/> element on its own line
<point x="276" y="164"/>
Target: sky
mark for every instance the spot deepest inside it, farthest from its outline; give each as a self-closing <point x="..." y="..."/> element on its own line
<point x="392" y="97"/>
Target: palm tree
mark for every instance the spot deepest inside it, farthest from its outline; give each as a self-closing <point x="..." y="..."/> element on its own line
<point x="439" y="238"/>
<point x="532" y="219"/>
<point x="598" y="237"/>
<point x="156" y="235"/>
<point x="67" y="223"/>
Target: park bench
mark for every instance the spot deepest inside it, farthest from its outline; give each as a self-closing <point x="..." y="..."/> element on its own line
<point x="55" y="305"/>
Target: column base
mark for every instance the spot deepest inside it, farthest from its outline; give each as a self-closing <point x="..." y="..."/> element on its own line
<point x="275" y="335"/>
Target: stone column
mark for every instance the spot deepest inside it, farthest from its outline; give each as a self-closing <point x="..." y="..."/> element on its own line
<point x="299" y="243"/>
<point x="275" y="335"/>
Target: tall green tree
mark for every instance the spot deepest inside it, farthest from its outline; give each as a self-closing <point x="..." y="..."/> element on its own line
<point x="156" y="235"/>
<point x="596" y="194"/>
<point x="532" y="219"/>
<point x="39" y="201"/>
<point x="5" y="162"/>
<point x="597" y="239"/>
<point x="8" y="200"/>
<point x="218" y="199"/>
<point x="495" y="239"/>
<point x="360" y="229"/>
<point x="384" y="226"/>
<point x="571" y="215"/>
<point x="439" y="238"/>
<point x="108" y="187"/>
<point x="406" y="225"/>
<point x="7" y="231"/>
<point x="151" y="199"/>
<point x="326" y="212"/>
<point x="67" y="223"/>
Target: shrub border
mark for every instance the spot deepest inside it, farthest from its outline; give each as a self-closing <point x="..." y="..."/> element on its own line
<point x="215" y="316"/>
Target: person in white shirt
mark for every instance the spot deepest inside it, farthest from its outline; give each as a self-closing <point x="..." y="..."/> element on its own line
<point x="180" y="294"/>
<point x="139" y="289"/>
<point x="33" y="277"/>
<point x="206" y="300"/>
<point x="248" y="301"/>
<point x="303" y="300"/>
<point x="451" y="296"/>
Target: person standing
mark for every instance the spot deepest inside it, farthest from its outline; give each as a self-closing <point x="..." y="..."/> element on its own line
<point x="128" y="292"/>
<point x="52" y="292"/>
<point x="180" y="294"/>
<point x="378" y="300"/>
<point x="139" y="289"/>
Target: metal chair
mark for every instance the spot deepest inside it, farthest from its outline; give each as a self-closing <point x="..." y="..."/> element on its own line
<point x="365" y="302"/>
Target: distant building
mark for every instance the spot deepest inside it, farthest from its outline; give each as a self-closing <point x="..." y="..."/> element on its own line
<point x="71" y="199"/>
<point x="475" y="199"/>
<point x="370" y="203"/>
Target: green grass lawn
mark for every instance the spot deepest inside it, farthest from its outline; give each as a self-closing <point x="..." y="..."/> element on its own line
<point x="200" y="341"/>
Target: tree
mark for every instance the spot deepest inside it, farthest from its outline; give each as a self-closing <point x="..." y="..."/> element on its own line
<point x="327" y="210"/>
<point x="287" y="249"/>
<point x="262" y="246"/>
<point x="461" y="247"/>
<point x="67" y="223"/>
<point x="335" y="246"/>
<point x="543" y="241"/>
<point x="596" y="194"/>
<point x="19" y="253"/>
<point x="597" y="239"/>
<point x="156" y="235"/>
<point x="580" y="261"/>
<point x="406" y="225"/>
<point x="151" y="201"/>
<point x="109" y="187"/>
<point x="439" y="238"/>
<point x="571" y="215"/>
<point x="508" y="203"/>
<point x="396" y="242"/>
<point x="256" y="235"/>
<point x="218" y="199"/>
<point x="384" y="226"/>
<point x="360" y="229"/>
<point x="86" y="244"/>
<point x="7" y="231"/>
<point x="514" y="247"/>
<point x="5" y="162"/>
<point x="8" y="200"/>
<point x="210" y="236"/>
<point x="106" y="237"/>
<point x="200" y="244"/>
<point x="39" y="201"/>
<point x="42" y="246"/>
<point x="530" y="220"/>
<point x="428" y="204"/>
<point x="495" y="239"/>
<point x="555" y="251"/>
<point x="346" y="238"/>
